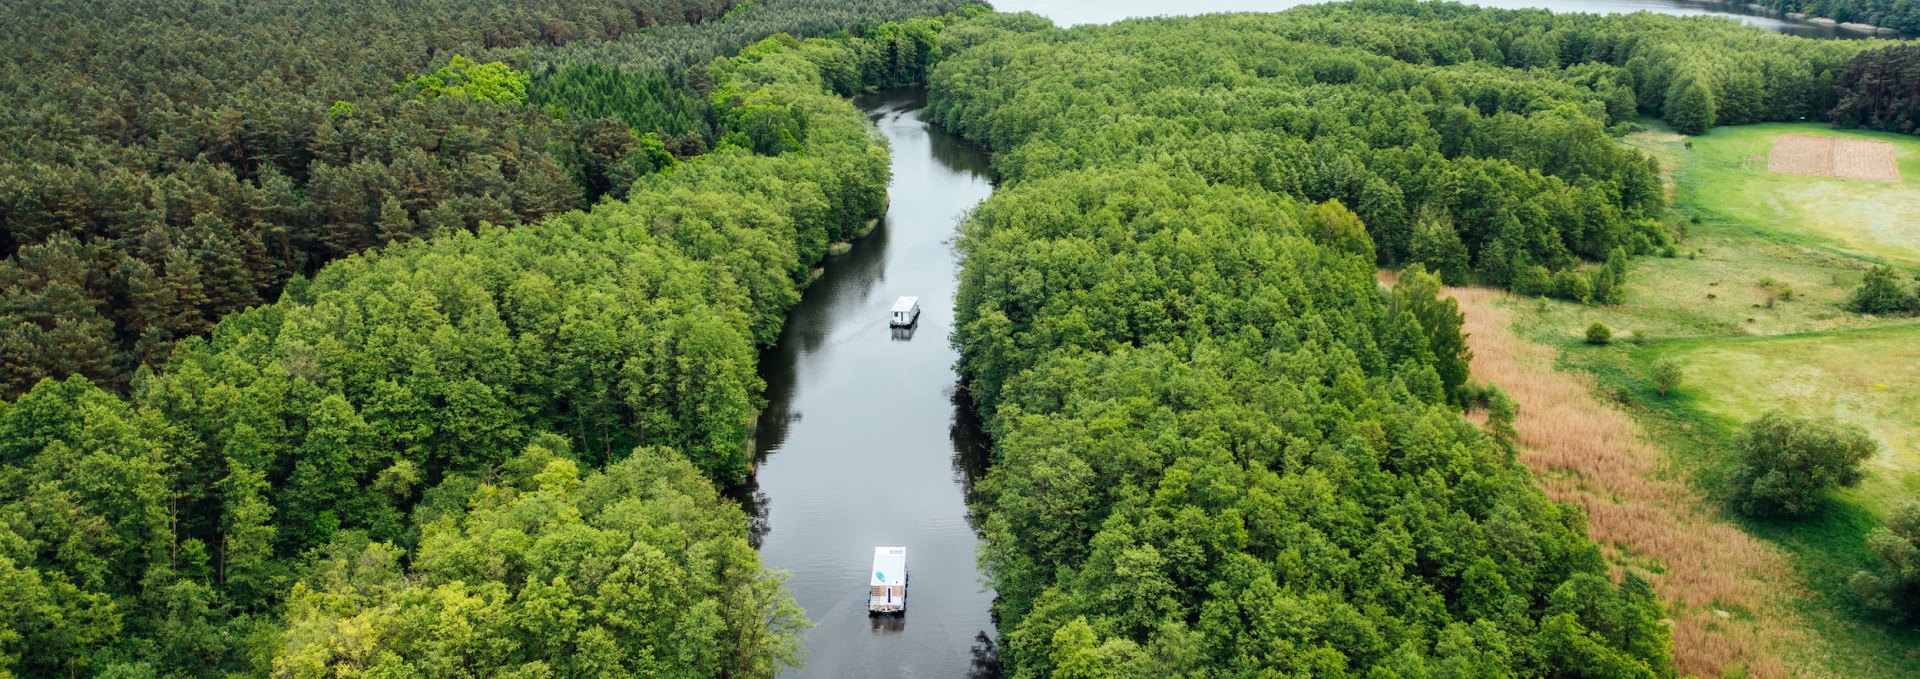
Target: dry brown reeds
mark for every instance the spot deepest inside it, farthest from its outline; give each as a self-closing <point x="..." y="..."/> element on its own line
<point x="1724" y="589"/>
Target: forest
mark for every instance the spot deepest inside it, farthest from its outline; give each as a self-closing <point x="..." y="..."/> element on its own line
<point x="514" y="427"/>
<point x="359" y="339"/>
<point x="1222" y="448"/>
<point x="154" y="177"/>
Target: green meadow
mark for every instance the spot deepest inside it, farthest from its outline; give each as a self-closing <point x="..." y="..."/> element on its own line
<point x="1752" y="307"/>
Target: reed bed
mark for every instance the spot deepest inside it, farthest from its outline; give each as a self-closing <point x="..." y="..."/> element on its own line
<point x="1725" y="590"/>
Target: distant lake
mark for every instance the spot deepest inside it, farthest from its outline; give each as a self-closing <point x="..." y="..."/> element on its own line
<point x="1076" y="12"/>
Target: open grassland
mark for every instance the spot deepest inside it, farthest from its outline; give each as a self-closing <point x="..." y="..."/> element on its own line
<point x="1725" y="178"/>
<point x="1752" y="307"/>
<point x="1871" y="378"/>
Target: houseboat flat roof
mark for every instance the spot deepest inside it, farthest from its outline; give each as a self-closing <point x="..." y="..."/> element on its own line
<point x="889" y="566"/>
<point x="905" y="303"/>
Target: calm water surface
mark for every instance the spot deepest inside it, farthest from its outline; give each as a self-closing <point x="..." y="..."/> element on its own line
<point x="866" y="440"/>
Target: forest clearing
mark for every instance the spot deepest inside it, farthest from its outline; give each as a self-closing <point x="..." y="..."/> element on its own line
<point x="1752" y="308"/>
<point x="1728" y="176"/>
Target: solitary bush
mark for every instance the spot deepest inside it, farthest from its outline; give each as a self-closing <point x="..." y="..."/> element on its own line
<point x="1599" y="333"/>
<point x="1895" y="587"/>
<point x="1666" y="374"/>
<point x="1787" y="462"/>
<point x="1882" y="292"/>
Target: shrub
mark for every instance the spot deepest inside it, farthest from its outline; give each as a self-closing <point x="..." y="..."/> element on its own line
<point x="1895" y="587"/>
<point x="1571" y="285"/>
<point x="1599" y="333"/>
<point x="1882" y="292"/>
<point x="1666" y="374"/>
<point x="1533" y="280"/>
<point x="1786" y="463"/>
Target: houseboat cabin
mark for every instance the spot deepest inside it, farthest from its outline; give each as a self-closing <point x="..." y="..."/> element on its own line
<point x="906" y="312"/>
<point x="889" y="585"/>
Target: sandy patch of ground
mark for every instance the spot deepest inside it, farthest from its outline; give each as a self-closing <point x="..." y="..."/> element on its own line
<point x="1833" y="157"/>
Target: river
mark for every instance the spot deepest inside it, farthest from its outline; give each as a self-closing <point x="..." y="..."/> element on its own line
<point x="868" y="441"/>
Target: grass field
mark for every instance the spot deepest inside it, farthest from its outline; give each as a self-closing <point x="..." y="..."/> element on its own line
<point x="1725" y="178"/>
<point x="1871" y="378"/>
<point x="1744" y="347"/>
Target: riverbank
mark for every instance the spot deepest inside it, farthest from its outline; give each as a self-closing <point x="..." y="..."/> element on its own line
<point x="866" y="439"/>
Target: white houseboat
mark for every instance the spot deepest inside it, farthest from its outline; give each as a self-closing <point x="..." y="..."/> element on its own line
<point x="906" y="312"/>
<point x="889" y="584"/>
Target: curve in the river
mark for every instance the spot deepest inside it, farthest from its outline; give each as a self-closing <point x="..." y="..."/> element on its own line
<point x="866" y="441"/>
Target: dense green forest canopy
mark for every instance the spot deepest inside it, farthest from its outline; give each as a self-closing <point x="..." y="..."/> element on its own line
<point x="1223" y="449"/>
<point x="164" y="164"/>
<point x="1473" y="141"/>
<point x="515" y="432"/>
<point x="1880" y="90"/>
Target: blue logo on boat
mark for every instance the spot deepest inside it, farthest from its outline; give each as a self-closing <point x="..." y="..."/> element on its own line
<point x="877" y="575"/>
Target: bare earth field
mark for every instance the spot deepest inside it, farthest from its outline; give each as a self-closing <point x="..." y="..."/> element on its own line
<point x="1834" y="157"/>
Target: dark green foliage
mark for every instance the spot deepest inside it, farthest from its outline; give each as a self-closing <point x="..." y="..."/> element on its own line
<point x="1894" y="587"/>
<point x="673" y="50"/>
<point x="1222" y="448"/>
<point x="1786" y="464"/>
<point x="349" y="443"/>
<point x="165" y="164"/>
<point x="647" y="102"/>
<point x="1599" y="334"/>
<point x="1884" y="291"/>
<point x="1877" y="93"/>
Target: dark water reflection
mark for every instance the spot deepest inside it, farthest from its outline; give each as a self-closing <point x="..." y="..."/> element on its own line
<point x="867" y="439"/>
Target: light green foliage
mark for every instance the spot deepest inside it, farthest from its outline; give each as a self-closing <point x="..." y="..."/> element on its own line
<point x="1599" y="334"/>
<point x="1418" y="294"/>
<point x="1666" y="374"/>
<point x="1787" y="463"/>
<point x="1337" y="228"/>
<point x="636" y="570"/>
<point x="462" y="77"/>
<point x="1438" y="153"/>
<point x="1222" y="449"/>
